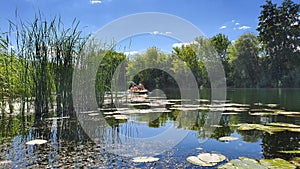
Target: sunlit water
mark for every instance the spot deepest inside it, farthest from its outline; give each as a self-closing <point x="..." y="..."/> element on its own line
<point x="69" y="145"/>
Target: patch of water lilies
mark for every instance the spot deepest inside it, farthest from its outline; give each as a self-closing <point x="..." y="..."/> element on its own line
<point x="244" y="162"/>
<point x="296" y="161"/>
<point x="273" y="112"/>
<point x="120" y="117"/>
<point x="36" y="141"/>
<point x="277" y="163"/>
<point x="263" y="114"/>
<point x="270" y="128"/>
<point x="228" y="138"/>
<point x="230" y="113"/>
<point x="290" y="151"/>
<point x="206" y="159"/>
<point x="288" y="113"/>
<point x="94" y="114"/>
<point x="232" y="107"/>
<point x="144" y="159"/>
<point x="234" y="125"/>
<point x="216" y="126"/>
<point x="58" y="118"/>
<point x="284" y="125"/>
<point x="271" y="105"/>
<point x="5" y="162"/>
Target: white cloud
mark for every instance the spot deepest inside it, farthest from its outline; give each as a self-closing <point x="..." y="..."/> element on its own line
<point x="183" y="44"/>
<point x="131" y="53"/>
<point x="160" y="33"/>
<point x="95" y="1"/>
<point x="154" y="33"/>
<point x="223" y="27"/>
<point x="232" y="21"/>
<point x="237" y="23"/>
<point x="244" y="27"/>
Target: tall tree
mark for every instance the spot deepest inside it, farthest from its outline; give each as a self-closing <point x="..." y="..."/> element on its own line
<point x="221" y="43"/>
<point x="243" y="56"/>
<point x="193" y="57"/>
<point x="279" y="32"/>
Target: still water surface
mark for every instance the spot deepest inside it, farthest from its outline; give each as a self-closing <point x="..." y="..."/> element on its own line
<point x="70" y="145"/>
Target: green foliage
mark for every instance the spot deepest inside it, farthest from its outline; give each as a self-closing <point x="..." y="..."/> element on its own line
<point x="243" y="57"/>
<point x="221" y="43"/>
<point x="152" y="77"/>
<point x="105" y="73"/>
<point x="279" y="32"/>
<point x="193" y="57"/>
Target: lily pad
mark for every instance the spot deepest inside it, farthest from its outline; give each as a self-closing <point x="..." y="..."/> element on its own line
<point x="272" y="105"/>
<point x="5" y="162"/>
<point x="277" y="163"/>
<point x="216" y="126"/>
<point x="144" y="159"/>
<point x="293" y="115"/>
<point x="195" y="160"/>
<point x="284" y="125"/>
<point x="234" y="125"/>
<point x="263" y="114"/>
<point x="93" y="114"/>
<point x="36" y="141"/>
<point x="211" y="157"/>
<point x="230" y="113"/>
<point x="273" y="129"/>
<point x="258" y="104"/>
<point x="293" y="129"/>
<point x="242" y="163"/>
<point x="296" y="161"/>
<point x="290" y="151"/>
<point x="250" y="127"/>
<point x="228" y="138"/>
<point x="288" y="113"/>
<point x="236" y="109"/>
<point x="58" y="118"/>
<point x="120" y="117"/>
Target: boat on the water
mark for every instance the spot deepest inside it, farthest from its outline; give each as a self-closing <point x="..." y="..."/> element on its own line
<point x="138" y="89"/>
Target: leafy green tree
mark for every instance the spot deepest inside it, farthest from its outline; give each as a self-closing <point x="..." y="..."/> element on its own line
<point x="191" y="55"/>
<point x="155" y="76"/>
<point x="105" y="73"/>
<point x="221" y="43"/>
<point x="279" y="32"/>
<point x="243" y="56"/>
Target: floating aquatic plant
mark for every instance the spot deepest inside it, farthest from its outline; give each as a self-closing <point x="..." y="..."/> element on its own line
<point x="144" y="159"/>
<point x="206" y="159"/>
<point x="228" y="138"/>
<point x="36" y="141"/>
<point x="244" y="162"/>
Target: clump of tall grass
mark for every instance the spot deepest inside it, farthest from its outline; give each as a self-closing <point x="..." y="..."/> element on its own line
<point x="47" y="52"/>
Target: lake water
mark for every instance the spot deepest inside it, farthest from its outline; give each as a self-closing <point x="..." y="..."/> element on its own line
<point x="158" y="127"/>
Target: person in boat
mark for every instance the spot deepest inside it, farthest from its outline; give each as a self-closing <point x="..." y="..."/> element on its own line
<point x="141" y="87"/>
<point x="133" y="87"/>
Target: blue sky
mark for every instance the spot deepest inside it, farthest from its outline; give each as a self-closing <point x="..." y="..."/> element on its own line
<point x="231" y="17"/>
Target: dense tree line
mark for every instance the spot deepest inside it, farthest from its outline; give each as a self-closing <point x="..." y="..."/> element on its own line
<point x="270" y="59"/>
